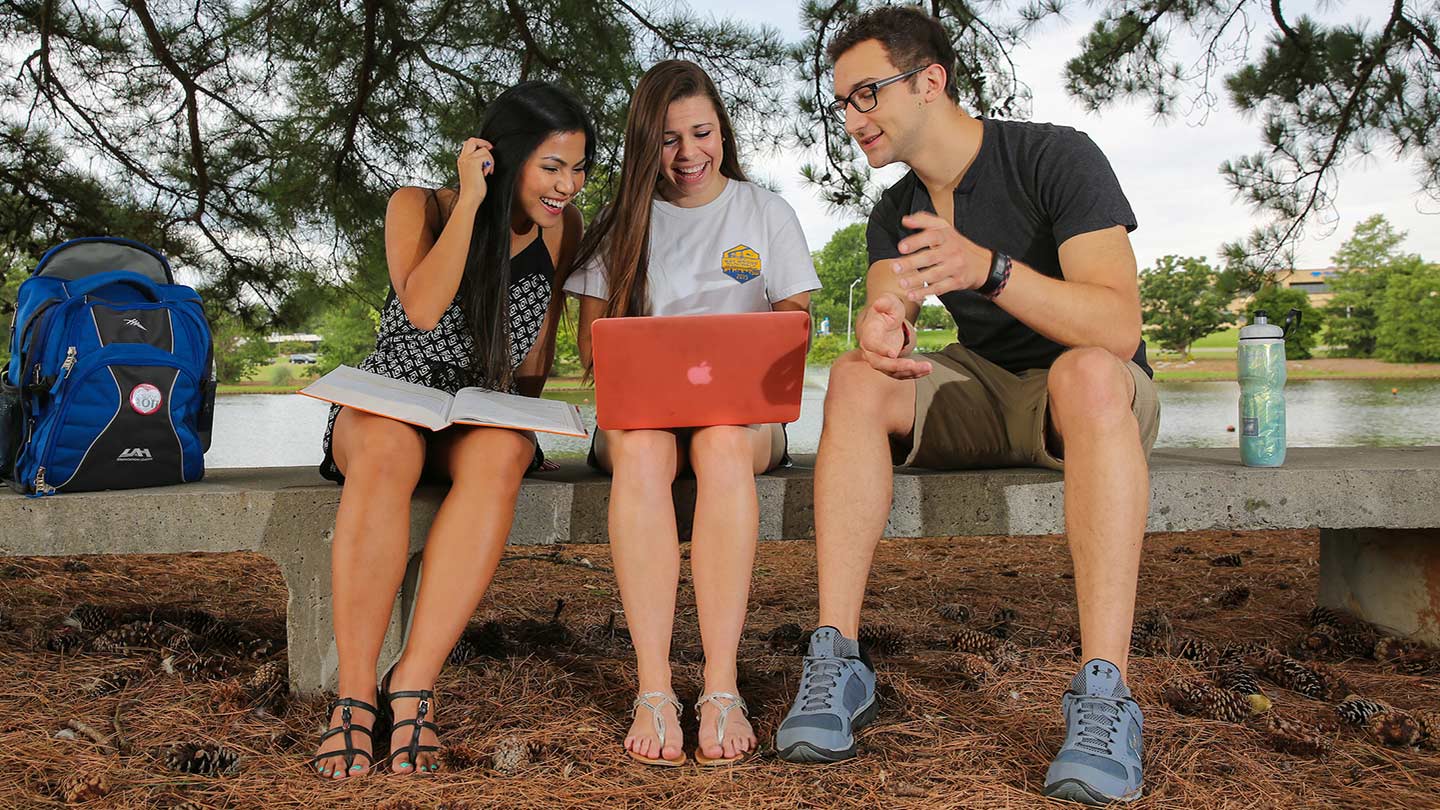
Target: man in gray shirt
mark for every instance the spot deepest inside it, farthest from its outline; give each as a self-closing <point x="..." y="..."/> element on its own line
<point x="1022" y="231"/>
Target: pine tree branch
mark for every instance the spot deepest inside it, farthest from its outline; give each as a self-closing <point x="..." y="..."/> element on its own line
<point x="192" y="106"/>
<point x="1343" y="127"/>
<point x="364" y="87"/>
<point x="522" y="23"/>
<point x="1424" y="37"/>
<point x="1290" y="33"/>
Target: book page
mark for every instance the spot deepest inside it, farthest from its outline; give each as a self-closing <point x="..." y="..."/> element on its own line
<point x="378" y="394"/>
<point x="476" y="406"/>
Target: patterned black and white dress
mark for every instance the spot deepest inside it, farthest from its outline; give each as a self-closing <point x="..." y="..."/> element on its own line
<point x="443" y="357"/>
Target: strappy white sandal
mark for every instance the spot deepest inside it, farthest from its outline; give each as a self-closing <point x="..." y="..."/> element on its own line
<point x="736" y="702"/>
<point x="646" y="700"/>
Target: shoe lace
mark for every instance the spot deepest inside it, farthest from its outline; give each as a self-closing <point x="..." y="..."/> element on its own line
<point x="822" y="676"/>
<point x="1099" y="722"/>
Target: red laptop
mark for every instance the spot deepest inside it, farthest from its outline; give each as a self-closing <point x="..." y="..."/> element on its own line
<point x="698" y="370"/>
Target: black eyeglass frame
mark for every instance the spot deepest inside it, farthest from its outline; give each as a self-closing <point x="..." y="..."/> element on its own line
<point x="837" y="107"/>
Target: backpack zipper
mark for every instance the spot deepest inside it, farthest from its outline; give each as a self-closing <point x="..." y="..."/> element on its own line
<point x="70" y="357"/>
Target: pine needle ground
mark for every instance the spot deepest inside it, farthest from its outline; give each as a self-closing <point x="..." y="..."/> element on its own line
<point x="936" y="744"/>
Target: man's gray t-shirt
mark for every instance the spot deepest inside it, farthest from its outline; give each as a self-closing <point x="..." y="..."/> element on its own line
<point x="1030" y="188"/>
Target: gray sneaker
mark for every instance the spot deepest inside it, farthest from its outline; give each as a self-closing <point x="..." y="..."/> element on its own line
<point x="836" y="699"/>
<point x="1099" y="762"/>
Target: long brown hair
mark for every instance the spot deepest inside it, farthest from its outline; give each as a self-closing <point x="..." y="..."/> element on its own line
<point x="620" y="236"/>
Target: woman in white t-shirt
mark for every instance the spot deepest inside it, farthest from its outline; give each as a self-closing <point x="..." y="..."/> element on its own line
<point x="686" y="235"/>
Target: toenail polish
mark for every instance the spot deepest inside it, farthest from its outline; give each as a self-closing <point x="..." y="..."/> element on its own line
<point x="357" y="767"/>
<point x="404" y="764"/>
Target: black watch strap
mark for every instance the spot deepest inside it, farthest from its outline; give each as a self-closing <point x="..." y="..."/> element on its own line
<point x="999" y="274"/>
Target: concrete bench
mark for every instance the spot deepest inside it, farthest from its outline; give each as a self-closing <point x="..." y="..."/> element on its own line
<point x="1377" y="511"/>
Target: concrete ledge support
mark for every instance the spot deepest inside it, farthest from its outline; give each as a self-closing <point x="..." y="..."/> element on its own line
<point x="1390" y="577"/>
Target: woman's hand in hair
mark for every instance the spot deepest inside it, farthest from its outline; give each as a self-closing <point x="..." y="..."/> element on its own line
<point x="477" y="159"/>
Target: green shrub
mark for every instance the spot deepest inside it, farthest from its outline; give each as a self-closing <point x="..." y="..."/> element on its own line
<point x="282" y="374"/>
<point x="825" y="349"/>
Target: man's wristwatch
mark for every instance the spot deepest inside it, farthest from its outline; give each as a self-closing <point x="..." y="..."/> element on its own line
<point x="999" y="275"/>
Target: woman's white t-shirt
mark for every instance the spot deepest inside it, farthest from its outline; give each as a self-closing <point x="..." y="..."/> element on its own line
<point x="740" y="252"/>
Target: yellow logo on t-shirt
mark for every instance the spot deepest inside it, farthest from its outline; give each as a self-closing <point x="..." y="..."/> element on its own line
<point x="740" y="263"/>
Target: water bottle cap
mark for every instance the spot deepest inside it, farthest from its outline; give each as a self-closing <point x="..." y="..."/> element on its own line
<point x="1261" y="328"/>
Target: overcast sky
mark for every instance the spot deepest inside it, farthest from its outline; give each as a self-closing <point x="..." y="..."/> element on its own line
<point x="1168" y="169"/>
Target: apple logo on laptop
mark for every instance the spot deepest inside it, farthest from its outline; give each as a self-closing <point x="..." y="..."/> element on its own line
<point x="699" y="375"/>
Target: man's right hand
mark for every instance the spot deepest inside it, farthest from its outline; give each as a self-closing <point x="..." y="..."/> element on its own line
<point x="882" y="333"/>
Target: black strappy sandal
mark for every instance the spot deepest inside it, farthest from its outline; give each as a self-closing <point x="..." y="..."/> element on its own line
<point x="346" y="727"/>
<point x="419" y="724"/>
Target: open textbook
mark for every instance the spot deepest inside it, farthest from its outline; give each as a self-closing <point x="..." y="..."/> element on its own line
<point x="427" y="407"/>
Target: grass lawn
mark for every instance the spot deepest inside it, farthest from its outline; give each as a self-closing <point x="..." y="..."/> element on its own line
<point x="1228" y="339"/>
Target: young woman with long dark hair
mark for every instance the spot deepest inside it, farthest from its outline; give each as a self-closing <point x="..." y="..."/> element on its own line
<point x="473" y="272"/>
<point x="687" y="234"/>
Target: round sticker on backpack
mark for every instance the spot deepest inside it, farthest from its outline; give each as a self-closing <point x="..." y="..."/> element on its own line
<point x="145" y="399"/>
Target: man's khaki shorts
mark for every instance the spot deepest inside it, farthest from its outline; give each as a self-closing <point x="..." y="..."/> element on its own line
<point x="971" y="413"/>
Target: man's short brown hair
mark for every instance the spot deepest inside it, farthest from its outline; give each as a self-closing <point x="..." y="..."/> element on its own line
<point x="911" y="37"/>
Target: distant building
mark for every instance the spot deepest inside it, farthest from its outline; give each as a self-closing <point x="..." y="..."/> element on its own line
<point x="311" y="339"/>
<point x="1315" y="283"/>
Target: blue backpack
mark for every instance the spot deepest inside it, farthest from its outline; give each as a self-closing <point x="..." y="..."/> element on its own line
<point x="110" y="382"/>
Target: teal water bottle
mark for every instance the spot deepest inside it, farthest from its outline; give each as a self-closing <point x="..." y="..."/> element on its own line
<point x="1261" y="359"/>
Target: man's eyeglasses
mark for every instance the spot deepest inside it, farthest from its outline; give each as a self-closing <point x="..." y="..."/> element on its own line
<point x="866" y="96"/>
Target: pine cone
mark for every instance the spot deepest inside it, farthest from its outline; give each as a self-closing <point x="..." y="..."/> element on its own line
<point x="460" y="757"/>
<point x="1388" y="648"/>
<point x="1002" y="621"/>
<point x="1233" y="597"/>
<point x="1395" y="729"/>
<point x="1182" y="550"/>
<point x="1311" y="680"/>
<point x="1357" y="711"/>
<point x="202" y="759"/>
<point x="137" y="635"/>
<point x="1415" y="661"/>
<point x="92" y="618"/>
<point x="199" y="667"/>
<point x="75" y="566"/>
<point x="223" y="637"/>
<point x="109" y="684"/>
<point x="1429" y="729"/>
<point x="1226" y="561"/>
<point x="1002" y="655"/>
<point x="971" y="670"/>
<point x="85" y="786"/>
<point x="1320" y="614"/>
<point x="1290" y="737"/>
<point x="788" y="639"/>
<point x="974" y="641"/>
<point x="1203" y="700"/>
<point x="461" y="653"/>
<point x="1196" y="649"/>
<point x="268" y="685"/>
<point x="1319" y="641"/>
<point x="882" y="640"/>
<point x="954" y="612"/>
<point x="1152" y="633"/>
<point x="510" y="755"/>
<point x="1240" y="680"/>
<point x="67" y="639"/>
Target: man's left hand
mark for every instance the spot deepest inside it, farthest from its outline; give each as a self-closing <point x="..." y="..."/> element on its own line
<point x="938" y="259"/>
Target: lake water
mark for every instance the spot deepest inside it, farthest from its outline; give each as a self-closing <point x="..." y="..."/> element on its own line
<point x="281" y="430"/>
